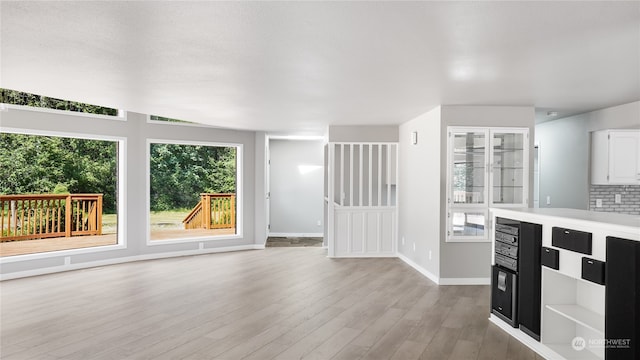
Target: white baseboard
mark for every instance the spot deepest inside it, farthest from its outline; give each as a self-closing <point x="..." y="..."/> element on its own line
<point x="420" y="269"/>
<point x="302" y="235"/>
<point x="465" y="281"/>
<point x="364" y="256"/>
<point x="90" y="264"/>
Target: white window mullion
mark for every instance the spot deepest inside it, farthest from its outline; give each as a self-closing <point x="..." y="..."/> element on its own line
<point x="388" y="175"/>
<point x="341" y="175"/>
<point x="370" y="200"/>
<point x="379" y="174"/>
<point x="360" y="177"/>
<point x="351" y="175"/>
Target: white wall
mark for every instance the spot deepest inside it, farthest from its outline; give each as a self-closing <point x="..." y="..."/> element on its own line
<point x="464" y="262"/>
<point x="625" y="116"/>
<point x="419" y="192"/>
<point x="565" y="152"/>
<point x="363" y="133"/>
<point x="135" y="130"/>
<point x="260" y="210"/>
<point x="564" y="158"/>
<point x="296" y="186"/>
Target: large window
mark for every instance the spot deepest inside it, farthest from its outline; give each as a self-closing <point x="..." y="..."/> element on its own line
<point x="25" y="99"/>
<point x="57" y="193"/>
<point x="193" y="190"/>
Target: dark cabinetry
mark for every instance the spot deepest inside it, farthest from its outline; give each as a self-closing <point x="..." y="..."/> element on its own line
<point x="622" y="299"/>
<point x="569" y="239"/>
<point x="517" y="275"/>
<point x="530" y="279"/>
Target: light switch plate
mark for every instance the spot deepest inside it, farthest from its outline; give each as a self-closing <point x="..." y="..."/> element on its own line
<point x="598" y="202"/>
<point x="618" y="199"/>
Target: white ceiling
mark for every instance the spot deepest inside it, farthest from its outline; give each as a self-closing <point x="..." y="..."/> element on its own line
<point x="297" y="67"/>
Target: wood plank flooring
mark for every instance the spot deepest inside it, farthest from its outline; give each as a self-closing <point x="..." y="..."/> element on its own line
<point x="275" y="241"/>
<point x="278" y="303"/>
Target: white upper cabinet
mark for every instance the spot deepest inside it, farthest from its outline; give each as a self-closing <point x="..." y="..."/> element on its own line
<point x="615" y="157"/>
<point x="487" y="167"/>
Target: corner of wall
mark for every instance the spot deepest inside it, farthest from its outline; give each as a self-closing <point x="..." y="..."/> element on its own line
<point x="260" y="214"/>
<point x="419" y="193"/>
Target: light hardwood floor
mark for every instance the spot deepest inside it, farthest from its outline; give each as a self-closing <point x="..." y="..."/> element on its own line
<point x="278" y="303"/>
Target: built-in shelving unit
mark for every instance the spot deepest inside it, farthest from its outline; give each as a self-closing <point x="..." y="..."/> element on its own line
<point x="581" y="315"/>
<point x="568" y="352"/>
<point x="572" y="309"/>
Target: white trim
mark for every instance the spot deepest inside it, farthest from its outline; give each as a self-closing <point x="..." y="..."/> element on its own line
<point x="185" y="123"/>
<point x="122" y="115"/>
<point x="114" y="261"/>
<point x="472" y="240"/>
<point x="465" y="281"/>
<point x="239" y="191"/>
<point x="363" y="142"/>
<point x="121" y="189"/>
<point x="420" y="269"/>
<point x="38" y="132"/>
<point x="298" y="137"/>
<point x="364" y="208"/>
<point x="206" y="238"/>
<point x="303" y="235"/>
<point x="59" y="253"/>
<point x="367" y="255"/>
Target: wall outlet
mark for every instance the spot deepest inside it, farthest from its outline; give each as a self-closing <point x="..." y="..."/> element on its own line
<point x="598" y="202"/>
<point x="414" y="247"/>
<point x="403" y="240"/>
<point x="618" y="199"/>
<point x="548" y="200"/>
<point x="429" y="254"/>
<point x="319" y="223"/>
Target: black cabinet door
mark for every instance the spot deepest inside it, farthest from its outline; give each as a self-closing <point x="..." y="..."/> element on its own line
<point x="504" y="291"/>
<point x="622" y="299"/>
<point x="530" y="279"/>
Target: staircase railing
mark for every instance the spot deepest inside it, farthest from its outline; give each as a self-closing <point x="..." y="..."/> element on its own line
<point x="214" y="211"/>
<point x="40" y="216"/>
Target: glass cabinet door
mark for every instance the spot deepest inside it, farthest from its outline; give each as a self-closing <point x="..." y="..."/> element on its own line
<point x="468" y="168"/>
<point x="508" y="164"/>
<point x="486" y="167"/>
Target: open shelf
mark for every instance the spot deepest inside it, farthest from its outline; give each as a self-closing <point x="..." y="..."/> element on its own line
<point x="568" y="352"/>
<point x="580" y="315"/>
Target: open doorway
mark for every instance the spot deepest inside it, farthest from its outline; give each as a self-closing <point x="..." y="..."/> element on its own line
<point x="295" y="198"/>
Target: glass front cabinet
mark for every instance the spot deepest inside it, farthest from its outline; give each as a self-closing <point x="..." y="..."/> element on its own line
<point x="486" y="167"/>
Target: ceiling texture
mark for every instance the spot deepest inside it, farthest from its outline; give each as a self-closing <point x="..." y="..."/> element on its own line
<point x="297" y="67"/>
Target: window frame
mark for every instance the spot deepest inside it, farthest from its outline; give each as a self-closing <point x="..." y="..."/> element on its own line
<point x="121" y="186"/>
<point x="122" y="115"/>
<point x="239" y="193"/>
<point x="485" y="206"/>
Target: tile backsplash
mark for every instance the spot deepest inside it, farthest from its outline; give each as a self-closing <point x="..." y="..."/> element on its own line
<point x="629" y="198"/>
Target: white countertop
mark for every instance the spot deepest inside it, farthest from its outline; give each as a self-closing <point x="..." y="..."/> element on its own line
<point x="630" y="222"/>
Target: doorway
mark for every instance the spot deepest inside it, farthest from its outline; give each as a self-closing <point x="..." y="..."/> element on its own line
<point x="295" y="176"/>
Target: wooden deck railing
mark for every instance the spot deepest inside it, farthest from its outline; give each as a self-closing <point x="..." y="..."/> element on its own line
<point x="214" y="211"/>
<point x="39" y="216"/>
